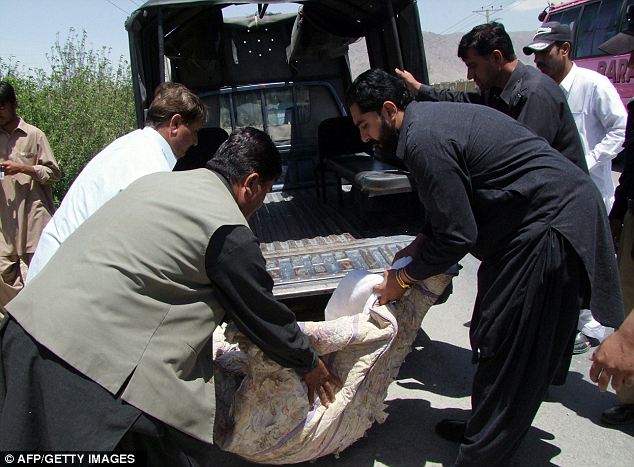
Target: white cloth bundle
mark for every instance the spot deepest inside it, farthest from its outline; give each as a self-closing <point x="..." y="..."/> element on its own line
<point x="354" y="293"/>
<point x="262" y="411"/>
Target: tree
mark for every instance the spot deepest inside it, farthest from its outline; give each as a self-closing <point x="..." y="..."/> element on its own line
<point x="82" y="104"/>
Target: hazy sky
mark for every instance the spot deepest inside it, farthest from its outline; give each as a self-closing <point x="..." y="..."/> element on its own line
<point x="31" y="27"/>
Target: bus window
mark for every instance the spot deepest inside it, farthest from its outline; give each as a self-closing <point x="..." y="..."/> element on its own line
<point x="598" y="23"/>
<point x="623" y="26"/>
<point x="566" y="16"/>
<point x="585" y="31"/>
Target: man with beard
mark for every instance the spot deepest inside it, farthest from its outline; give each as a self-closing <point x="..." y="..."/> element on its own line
<point x="537" y="224"/>
<point x="507" y="85"/>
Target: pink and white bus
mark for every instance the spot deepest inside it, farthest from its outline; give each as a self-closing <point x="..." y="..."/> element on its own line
<point x="593" y="22"/>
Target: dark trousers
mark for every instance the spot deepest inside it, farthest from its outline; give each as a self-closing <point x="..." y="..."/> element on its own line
<point x="510" y="384"/>
<point x="46" y="405"/>
<point x="164" y="445"/>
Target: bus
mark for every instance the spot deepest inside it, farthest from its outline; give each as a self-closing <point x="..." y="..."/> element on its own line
<point x="592" y="23"/>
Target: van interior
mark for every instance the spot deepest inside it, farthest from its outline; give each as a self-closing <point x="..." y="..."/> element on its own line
<point x="339" y="204"/>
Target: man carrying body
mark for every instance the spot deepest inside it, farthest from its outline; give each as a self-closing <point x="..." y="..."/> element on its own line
<point x="28" y="170"/>
<point x="111" y="346"/>
<point x="491" y="188"/>
<point x="600" y="117"/>
<point x="507" y="85"/>
<point x="173" y="120"/>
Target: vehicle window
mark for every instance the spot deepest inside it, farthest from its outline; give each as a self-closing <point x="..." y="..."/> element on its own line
<point x="225" y="113"/>
<point x="570" y="16"/>
<point x="555" y="17"/>
<point x="624" y="20"/>
<point x="313" y="105"/>
<point x="586" y="30"/>
<point x="248" y="107"/>
<point x="598" y="23"/>
<point x="279" y="115"/>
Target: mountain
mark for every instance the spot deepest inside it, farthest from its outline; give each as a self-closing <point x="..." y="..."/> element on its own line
<point x="441" y="51"/>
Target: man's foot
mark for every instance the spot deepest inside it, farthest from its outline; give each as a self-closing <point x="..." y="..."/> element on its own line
<point x="583" y="343"/>
<point x="619" y="415"/>
<point x="452" y="430"/>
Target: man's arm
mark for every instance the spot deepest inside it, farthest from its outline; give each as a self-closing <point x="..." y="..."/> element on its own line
<point x="443" y="189"/>
<point x="44" y="171"/>
<point x="424" y="92"/>
<point x="452" y="230"/>
<point x="235" y="265"/>
<point x="609" y="110"/>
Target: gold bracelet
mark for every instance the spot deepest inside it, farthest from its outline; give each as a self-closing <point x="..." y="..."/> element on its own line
<point x="407" y="277"/>
<point x="400" y="280"/>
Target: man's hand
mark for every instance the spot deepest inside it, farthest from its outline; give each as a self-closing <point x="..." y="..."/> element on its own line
<point x="322" y="382"/>
<point x="413" y="85"/>
<point x="613" y="360"/>
<point x="13" y="168"/>
<point x="389" y="290"/>
<point x="411" y="249"/>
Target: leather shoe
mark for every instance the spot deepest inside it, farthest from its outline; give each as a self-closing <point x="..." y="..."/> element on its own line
<point x="618" y="415"/>
<point x="452" y="430"/>
<point x="583" y="343"/>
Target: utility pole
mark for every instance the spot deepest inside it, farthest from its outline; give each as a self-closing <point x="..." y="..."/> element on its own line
<point x="488" y="11"/>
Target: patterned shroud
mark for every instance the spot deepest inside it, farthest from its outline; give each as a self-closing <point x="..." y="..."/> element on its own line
<point x="262" y="410"/>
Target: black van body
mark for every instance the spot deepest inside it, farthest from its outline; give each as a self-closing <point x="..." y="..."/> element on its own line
<point x="286" y="74"/>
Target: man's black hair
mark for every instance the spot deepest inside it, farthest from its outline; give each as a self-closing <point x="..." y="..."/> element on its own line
<point x="373" y="87"/>
<point x="7" y="93"/>
<point x="247" y="150"/>
<point x="486" y="38"/>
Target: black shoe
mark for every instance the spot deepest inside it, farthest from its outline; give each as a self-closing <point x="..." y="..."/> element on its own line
<point x="619" y="415"/>
<point x="583" y="343"/>
<point x="452" y="430"/>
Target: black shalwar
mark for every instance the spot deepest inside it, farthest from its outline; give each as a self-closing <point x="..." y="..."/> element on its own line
<point x="492" y="188"/>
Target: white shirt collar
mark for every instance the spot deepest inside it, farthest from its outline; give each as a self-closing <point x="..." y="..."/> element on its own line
<point x="165" y="147"/>
<point x="566" y="83"/>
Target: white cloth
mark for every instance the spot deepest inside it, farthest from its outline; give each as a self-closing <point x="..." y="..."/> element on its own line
<point x="591" y="327"/>
<point x="126" y="159"/>
<point x="354" y="293"/>
<point x="600" y="117"/>
<point x="262" y="412"/>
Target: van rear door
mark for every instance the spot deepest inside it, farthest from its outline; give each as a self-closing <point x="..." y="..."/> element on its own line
<point x="276" y="70"/>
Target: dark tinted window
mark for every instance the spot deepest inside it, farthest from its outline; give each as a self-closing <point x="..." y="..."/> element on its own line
<point x="599" y="22"/>
<point x="624" y="18"/>
<point x="555" y="17"/>
<point x="570" y="16"/>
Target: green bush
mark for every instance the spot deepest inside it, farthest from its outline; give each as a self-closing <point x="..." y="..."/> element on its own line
<point x="82" y="104"/>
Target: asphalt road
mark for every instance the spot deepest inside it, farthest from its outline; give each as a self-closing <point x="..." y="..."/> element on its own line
<point x="434" y="383"/>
